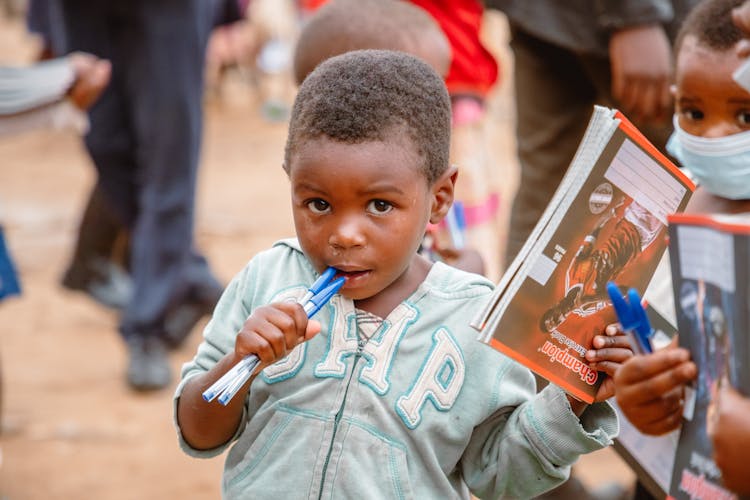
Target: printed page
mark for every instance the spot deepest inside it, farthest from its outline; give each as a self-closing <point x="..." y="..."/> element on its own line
<point x="711" y="306"/>
<point x="599" y="131"/>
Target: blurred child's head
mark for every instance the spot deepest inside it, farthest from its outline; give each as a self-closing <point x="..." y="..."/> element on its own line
<point x="712" y="110"/>
<point x="344" y="25"/>
<point x="367" y="157"/>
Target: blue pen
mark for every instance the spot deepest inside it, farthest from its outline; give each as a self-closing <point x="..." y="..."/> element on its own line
<point x="319" y="284"/>
<point x="632" y="317"/>
<point x="314" y="303"/>
<point x="456" y="220"/>
<point x="316" y="297"/>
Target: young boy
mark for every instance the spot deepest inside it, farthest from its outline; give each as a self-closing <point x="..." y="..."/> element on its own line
<point x="713" y="112"/>
<point x="386" y="393"/>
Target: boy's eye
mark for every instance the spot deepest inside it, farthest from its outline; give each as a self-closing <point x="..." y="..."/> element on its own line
<point x="319" y="206"/>
<point x="692" y="114"/>
<point x="379" y="207"/>
<point x="743" y="118"/>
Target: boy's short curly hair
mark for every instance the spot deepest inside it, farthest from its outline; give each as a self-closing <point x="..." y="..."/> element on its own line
<point x="711" y="23"/>
<point x="374" y="95"/>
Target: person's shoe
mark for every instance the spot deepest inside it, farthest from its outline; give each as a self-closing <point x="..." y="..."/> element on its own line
<point x="181" y="320"/>
<point x="104" y="281"/>
<point x="148" y="365"/>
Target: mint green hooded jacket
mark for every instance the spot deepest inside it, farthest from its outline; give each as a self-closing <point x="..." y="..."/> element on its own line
<point x="416" y="408"/>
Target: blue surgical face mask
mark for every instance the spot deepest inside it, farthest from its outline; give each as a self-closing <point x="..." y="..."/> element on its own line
<point x="721" y="165"/>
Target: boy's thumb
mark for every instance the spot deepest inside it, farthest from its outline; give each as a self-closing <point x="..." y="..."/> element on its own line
<point x="313" y="328"/>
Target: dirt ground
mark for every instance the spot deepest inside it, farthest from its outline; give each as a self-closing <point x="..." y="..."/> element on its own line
<point x="71" y="428"/>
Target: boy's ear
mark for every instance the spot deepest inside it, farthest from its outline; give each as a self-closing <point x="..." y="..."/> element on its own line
<point x="673" y="90"/>
<point x="442" y="194"/>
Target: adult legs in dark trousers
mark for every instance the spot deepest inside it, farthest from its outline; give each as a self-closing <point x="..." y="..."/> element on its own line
<point x="98" y="266"/>
<point x="556" y="90"/>
<point x="144" y="141"/>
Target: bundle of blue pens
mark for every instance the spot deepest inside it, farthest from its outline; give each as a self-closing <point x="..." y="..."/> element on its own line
<point x="632" y="318"/>
<point x="316" y="297"/>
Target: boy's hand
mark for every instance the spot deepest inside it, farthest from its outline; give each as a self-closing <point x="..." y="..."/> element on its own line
<point x="649" y="388"/>
<point x="272" y="331"/>
<point x="730" y="434"/>
<point x="610" y="351"/>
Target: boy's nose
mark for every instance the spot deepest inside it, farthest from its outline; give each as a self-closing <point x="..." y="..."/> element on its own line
<point x="348" y="234"/>
<point x="720" y="129"/>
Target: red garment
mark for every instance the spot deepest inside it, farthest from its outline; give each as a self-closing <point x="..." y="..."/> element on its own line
<point x="473" y="68"/>
<point x="307" y="6"/>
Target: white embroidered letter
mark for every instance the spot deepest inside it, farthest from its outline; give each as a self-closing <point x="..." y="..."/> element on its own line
<point x="439" y="380"/>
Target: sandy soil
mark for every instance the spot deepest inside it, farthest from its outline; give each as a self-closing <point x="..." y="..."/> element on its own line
<point x="71" y="428"/>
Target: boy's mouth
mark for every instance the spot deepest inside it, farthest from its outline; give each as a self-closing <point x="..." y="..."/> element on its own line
<point x="352" y="276"/>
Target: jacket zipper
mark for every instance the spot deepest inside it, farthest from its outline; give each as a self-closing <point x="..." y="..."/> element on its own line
<point x="360" y="346"/>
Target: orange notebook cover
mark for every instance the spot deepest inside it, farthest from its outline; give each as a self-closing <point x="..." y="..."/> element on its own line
<point x="607" y="222"/>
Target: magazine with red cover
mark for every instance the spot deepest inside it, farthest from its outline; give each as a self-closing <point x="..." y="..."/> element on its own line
<point x="606" y="222"/>
<point x="709" y="257"/>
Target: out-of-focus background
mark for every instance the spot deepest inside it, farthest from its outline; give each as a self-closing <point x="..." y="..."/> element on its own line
<point x="71" y="428"/>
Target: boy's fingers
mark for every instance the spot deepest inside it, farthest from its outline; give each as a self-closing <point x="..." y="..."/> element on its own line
<point x="616" y="354"/>
<point x="642" y="368"/>
<point x="275" y="336"/>
<point x="654" y="387"/>
<point x="293" y="323"/>
<point x="313" y="328"/>
<point x="262" y="348"/>
<point x="608" y="367"/>
<point x="665" y="414"/>
<point x="602" y="341"/>
<point x="612" y="329"/>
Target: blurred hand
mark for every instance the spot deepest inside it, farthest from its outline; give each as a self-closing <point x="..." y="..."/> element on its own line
<point x="641" y="64"/>
<point x="730" y="432"/>
<point x="741" y="18"/>
<point x="649" y="388"/>
<point x="91" y="78"/>
<point x="466" y="259"/>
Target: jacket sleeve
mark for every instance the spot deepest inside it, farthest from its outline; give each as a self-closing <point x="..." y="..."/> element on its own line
<point x="529" y="443"/>
<point x="612" y="15"/>
<point x="218" y="339"/>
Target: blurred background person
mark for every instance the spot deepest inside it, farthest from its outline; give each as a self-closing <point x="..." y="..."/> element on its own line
<point x="569" y="56"/>
<point x="144" y="142"/>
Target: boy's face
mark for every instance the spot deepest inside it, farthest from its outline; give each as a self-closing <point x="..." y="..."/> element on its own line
<point x="363" y="209"/>
<point x="708" y="101"/>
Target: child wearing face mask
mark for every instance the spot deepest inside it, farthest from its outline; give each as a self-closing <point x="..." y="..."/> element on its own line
<point x="712" y="141"/>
